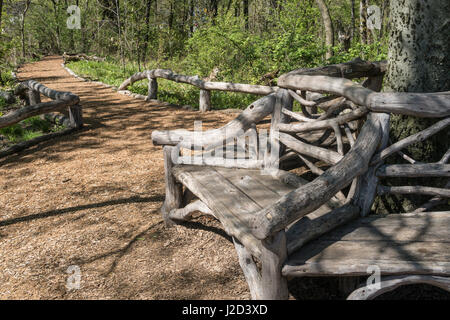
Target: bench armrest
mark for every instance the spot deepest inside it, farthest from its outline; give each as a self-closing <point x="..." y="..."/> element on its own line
<point x="253" y="114"/>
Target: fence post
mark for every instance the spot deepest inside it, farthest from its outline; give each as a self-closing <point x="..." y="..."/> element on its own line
<point x="76" y="116"/>
<point x="34" y="97"/>
<point x="205" y="100"/>
<point x="152" y="89"/>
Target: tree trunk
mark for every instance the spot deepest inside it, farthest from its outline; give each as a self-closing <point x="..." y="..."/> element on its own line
<point x="418" y="62"/>
<point x="328" y="24"/>
<point x="363" y="21"/>
<point x="22" y="29"/>
<point x="245" y="4"/>
<point x="353" y="19"/>
<point x="147" y="32"/>
<point x="58" y="30"/>
<point x="1" y="11"/>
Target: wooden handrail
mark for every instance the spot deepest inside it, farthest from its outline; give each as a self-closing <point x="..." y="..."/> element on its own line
<point x="30" y="90"/>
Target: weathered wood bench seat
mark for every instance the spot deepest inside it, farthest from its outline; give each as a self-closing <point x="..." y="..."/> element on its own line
<point x="286" y="225"/>
<point x="232" y="194"/>
<point x="397" y="244"/>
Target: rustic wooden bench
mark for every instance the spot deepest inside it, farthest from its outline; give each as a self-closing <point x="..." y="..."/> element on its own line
<point x="284" y="225"/>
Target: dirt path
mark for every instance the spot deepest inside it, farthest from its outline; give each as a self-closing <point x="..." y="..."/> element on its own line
<point x="92" y="200"/>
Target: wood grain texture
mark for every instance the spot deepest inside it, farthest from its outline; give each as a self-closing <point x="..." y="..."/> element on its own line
<point x="397" y="244"/>
<point x="197" y="82"/>
<point x="307" y="198"/>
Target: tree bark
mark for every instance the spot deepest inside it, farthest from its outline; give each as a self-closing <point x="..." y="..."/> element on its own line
<point x="363" y="21"/>
<point x="417" y="62"/>
<point x="353" y="19"/>
<point x="328" y="24"/>
<point x="22" y="29"/>
<point x="147" y="31"/>
<point x="1" y="11"/>
<point x="245" y="5"/>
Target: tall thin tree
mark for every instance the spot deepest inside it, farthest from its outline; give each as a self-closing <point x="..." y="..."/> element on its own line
<point x="22" y="27"/>
<point x="328" y="25"/>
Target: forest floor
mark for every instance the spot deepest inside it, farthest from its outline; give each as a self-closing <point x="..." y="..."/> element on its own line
<point x="92" y="200"/>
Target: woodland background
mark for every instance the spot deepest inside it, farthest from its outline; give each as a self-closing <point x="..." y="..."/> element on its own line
<point x="249" y="41"/>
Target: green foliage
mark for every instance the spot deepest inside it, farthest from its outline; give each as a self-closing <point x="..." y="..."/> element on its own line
<point x="2" y="104"/>
<point x="189" y="37"/>
<point x="371" y="52"/>
<point x="28" y="129"/>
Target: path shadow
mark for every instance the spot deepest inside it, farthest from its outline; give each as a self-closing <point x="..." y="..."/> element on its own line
<point x="51" y="213"/>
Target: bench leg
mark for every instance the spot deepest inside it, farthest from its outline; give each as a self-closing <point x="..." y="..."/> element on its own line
<point x="368" y="292"/>
<point x="268" y="282"/>
<point x="174" y="190"/>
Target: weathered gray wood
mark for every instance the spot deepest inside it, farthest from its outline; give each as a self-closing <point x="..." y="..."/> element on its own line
<point x="283" y="101"/>
<point x="313" y="195"/>
<point x="432" y="105"/>
<point x="444" y="193"/>
<point x="26" y="112"/>
<point x="61" y="100"/>
<point x="52" y="94"/>
<point x="76" y="116"/>
<point x="313" y="226"/>
<point x="274" y="254"/>
<point x="420" y="136"/>
<point x="152" y="88"/>
<point x="250" y="270"/>
<point x="251" y="186"/>
<point x="205" y="100"/>
<point x="435" y="201"/>
<point x="397" y="244"/>
<point x="185" y="214"/>
<point x="34" y="97"/>
<point x="414" y="170"/>
<point x="445" y="157"/>
<point x="338" y="135"/>
<point x="297" y="116"/>
<point x="388" y="284"/>
<point x="349" y="135"/>
<point x="174" y="190"/>
<point x="338" y="106"/>
<point x="323" y="124"/>
<point x="301" y="100"/>
<point x="328" y="156"/>
<point x="228" y="203"/>
<point x="196" y="81"/>
<point x="368" y="181"/>
<point x="413" y="104"/>
<point x="251" y="115"/>
<point x="356" y="68"/>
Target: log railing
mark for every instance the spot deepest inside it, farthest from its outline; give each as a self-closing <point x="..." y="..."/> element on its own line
<point x="205" y="86"/>
<point x="30" y="91"/>
<point x="353" y="69"/>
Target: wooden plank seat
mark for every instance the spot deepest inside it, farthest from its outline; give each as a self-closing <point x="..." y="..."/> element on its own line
<point x="234" y="194"/>
<point x="397" y="244"/>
